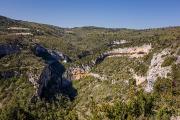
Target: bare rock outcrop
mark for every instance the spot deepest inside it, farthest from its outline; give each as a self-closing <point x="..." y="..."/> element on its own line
<point x="156" y="70"/>
<point x="59" y="56"/>
<point x="7" y="49"/>
<point x="132" y="52"/>
<point x="51" y="81"/>
<point x="95" y="75"/>
<point x="76" y="73"/>
<point x="18" y="28"/>
<point x="48" y="54"/>
<point x="117" y="42"/>
<point x="175" y="118"/>
<point x="33" y="78"/>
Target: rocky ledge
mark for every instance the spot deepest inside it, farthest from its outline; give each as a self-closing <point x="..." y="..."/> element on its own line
<point x="7" y="49"/>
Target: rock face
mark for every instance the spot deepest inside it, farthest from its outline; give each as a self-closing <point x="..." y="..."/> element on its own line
<point x="117" y="42"/>
<point x="95" y="75"/>
<point x="81" y="72"/>
<point x="156" y="70"/>
<point x="18" y="28"/>
<point x="40" y="51"/>
<point x="50" y="54"/>
<point x="78" y="72"/>
<point x="132" y="52"/>
<point x="7" y="49"/>
<point x="51" y="81"/>
<point x="59" y="56"/>
<point x="175" y="118"/>
<point x="33" y="78"/>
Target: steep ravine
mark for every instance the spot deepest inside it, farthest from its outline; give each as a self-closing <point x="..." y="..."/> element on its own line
<point x="51" y="81"/>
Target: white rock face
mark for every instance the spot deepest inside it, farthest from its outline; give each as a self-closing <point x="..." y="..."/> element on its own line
<point x="155" y="69"/>
<point x="119" y="42"/>
<point x="98" y="76"/>
<point x="33" y="78"/>
<point x="133" y="52"/>
<point x="175" y="118"/>
<point x="178" y="60"/>
<point x="17" y="28"/>
<point x="23" y="33"/>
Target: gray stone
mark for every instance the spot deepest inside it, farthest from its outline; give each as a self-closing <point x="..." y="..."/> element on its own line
<point x="7" y="49"/>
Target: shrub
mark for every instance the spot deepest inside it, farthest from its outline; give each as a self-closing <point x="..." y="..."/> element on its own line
<point x="163" y="114"/>
<point x="168" y="61"/>
<point x="163" y="85"/>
